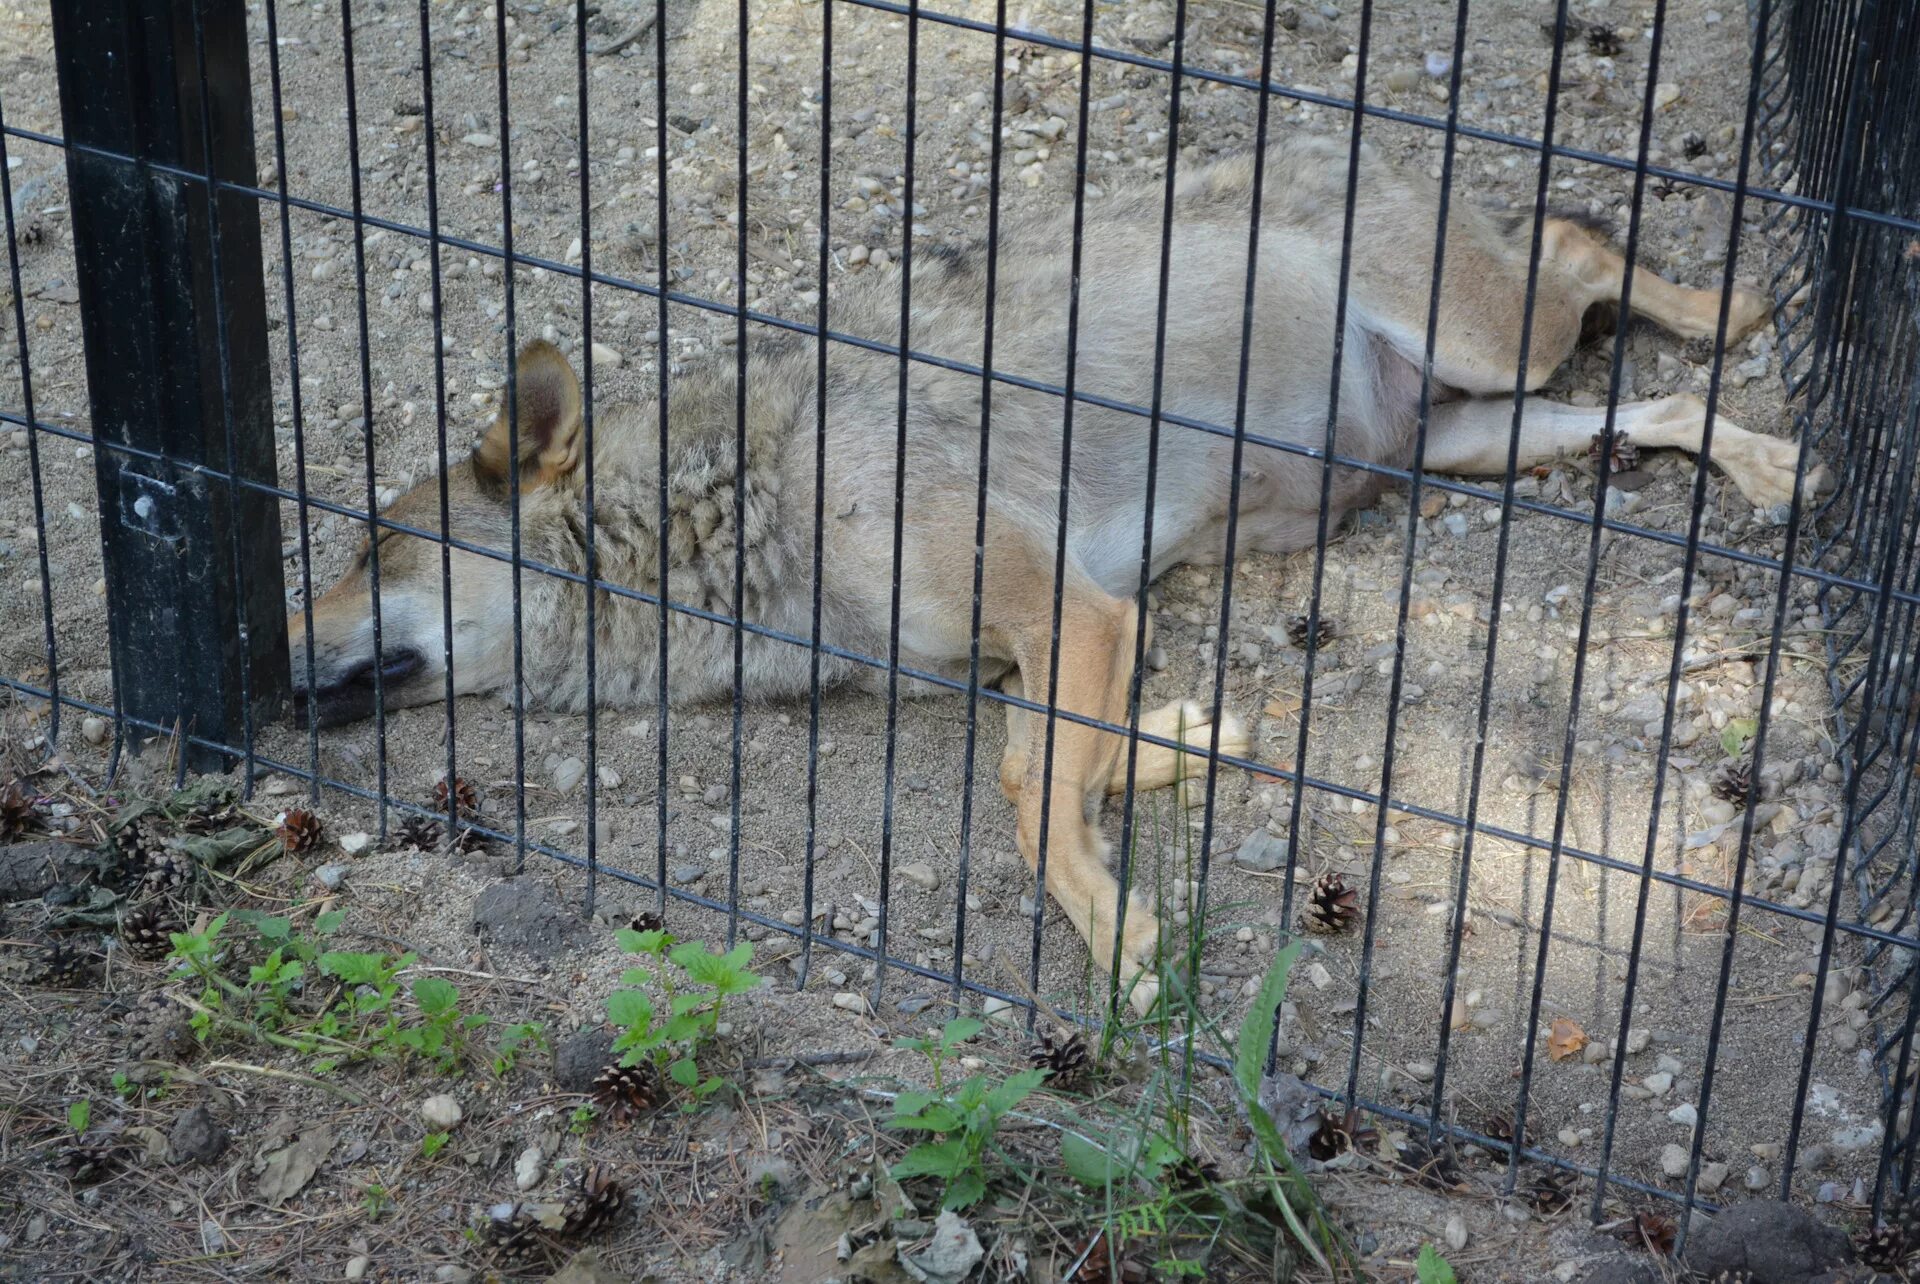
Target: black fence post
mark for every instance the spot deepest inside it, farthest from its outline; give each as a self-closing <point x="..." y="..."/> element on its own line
<point x="157" y="102"/>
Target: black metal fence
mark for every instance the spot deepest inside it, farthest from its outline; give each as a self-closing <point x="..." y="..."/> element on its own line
<point x="160" y="156"/>
<point x="1842" y="127"/>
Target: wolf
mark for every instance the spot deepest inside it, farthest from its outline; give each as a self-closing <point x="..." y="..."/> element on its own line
<point x="713" y="503"/>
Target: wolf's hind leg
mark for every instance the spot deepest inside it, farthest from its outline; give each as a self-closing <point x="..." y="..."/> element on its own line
<point x="1186" y="723"/>
<point x="1470" y="438"/>
<point x="1689" y="313"/>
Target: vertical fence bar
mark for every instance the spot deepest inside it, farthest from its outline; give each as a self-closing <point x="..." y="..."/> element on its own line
<point x="33" y="438"/>
<point x="586" y="424"/>
<point x="665" y="435"/>
<point x="432" y="158"/>
<point x="1396" y="684"/>
<point x="820" y="500"/>
<point x="309" y="707"/>
<point x="356" y="183"/>
<point x="980" y="506"/>
<point x="195" y="598"/>
<point x="739" y="480"/>
<point x="899" y="500"/>
<point x="508" y="267"/>
<point x="1449" y="976"/>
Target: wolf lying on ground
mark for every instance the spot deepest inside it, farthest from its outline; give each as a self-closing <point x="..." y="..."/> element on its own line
<point x="1474" y="372"/>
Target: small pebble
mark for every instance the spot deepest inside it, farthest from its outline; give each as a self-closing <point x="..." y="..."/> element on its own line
<point x="94" y="730"/>
<point x="355" y="843"/>
<point x="852" y="1002"/>
<point x="1456" y="1232"/>
<point x="441" y="1111"/>
<point x="529" y="1168"/>
<point x="567" y="774"/>
<point x="357" y="1266"/>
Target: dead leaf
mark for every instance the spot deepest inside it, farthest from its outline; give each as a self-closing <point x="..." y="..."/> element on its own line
<point x="152" y="1141"/>
<point x="286" y="1171"/>
<point x="1283" y="706"/>
<point x="1565" y="1039"/>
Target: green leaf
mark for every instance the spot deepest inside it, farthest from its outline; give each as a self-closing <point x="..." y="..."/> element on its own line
<point x="79" y="1115"/>
<point x="435" y="996"/>
<point x="932" y="1159"/>
<point x="636" y="976"/>
<point x="911" y="1103"/>
<point x="1734" y="736"/>
<point x="631" y="1009"/>
<point x="633" y="942"/>
<point x="964" y="1190"/>
<point x="1016" y="1089"/>
<point x="1433" y="1268"/>
<point x="684" y="1072"/>
<point x="972" y="1094"/>
<point x="354" y="969"/>
<point x="328" y="923"/>
<point x="272" y="927"/>
<point x="958" y="1031"/>
<point x="1256" y="1030"/>
<point x="1087" y="1163"/>
<point x="938" y="1117"/>
<point x="431" y="1143"/>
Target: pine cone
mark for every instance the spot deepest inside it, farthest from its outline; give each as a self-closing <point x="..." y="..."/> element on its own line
<point x="626" y="1092"/>
<point x="1734" y="782"/>
<point x="418" y="831"/>
<point x="1433" y="1166"/>
<point x="16" y="811"/>
<point x="167" y="870"/>
<point x="1337" y="1134"/>
<point x="1551" y="1192"/>
<point x="1626" y="455"/>
<point x="87" y="1163"/>
<point x="1297" y="631"/>
<point x="1190" y="1172"/>
<point x="1886" y="1249"/>
<point x="147" y="930"/>
<point x="297" y="830"/>
<point x="210" y="816"/>
<point x="157" y="1028"/>
<point x="1652" y="1231"/>
<point x="138" y="838"/>
<point x="1603" y="41"/>
<point x="63" y="965"/>
<point x="515" y="1240"/>
<point x="1499" y="1128"/>
<point x="463" y="793"/>
<point x="1066" y="1062"/>
<point x="648" y="921"/>
<point x="1332" y="906"/>
<point x="597" y="1202"/>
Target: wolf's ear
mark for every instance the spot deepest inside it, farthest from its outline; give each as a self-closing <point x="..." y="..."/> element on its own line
<point x="547" y="400"/>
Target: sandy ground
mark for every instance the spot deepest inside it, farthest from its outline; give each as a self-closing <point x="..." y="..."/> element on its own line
<point x="1595" y="921"/>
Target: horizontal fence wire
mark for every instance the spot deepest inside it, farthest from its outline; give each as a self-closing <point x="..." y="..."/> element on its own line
<point x="1830" y="112"/>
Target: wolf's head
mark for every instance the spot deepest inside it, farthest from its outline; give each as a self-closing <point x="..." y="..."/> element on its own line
<point x="412" y="663"/>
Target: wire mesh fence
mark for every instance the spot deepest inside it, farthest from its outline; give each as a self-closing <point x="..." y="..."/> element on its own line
<point x="1625" y="779"/>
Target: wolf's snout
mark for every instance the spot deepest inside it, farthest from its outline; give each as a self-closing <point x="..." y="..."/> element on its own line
<point x="349" y="695"/>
